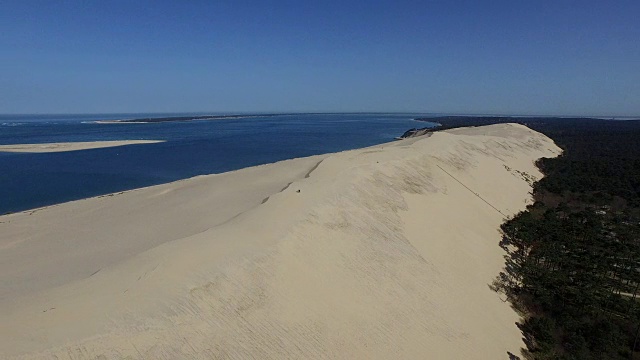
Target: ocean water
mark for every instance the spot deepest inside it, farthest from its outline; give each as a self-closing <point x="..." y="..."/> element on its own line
<point x="192" y="148"/>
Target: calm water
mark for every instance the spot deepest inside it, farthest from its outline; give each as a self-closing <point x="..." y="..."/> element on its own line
<point x="191" y="148"/>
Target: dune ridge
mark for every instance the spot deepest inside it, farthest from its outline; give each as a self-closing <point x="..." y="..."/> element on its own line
<point x="383" y="252"/>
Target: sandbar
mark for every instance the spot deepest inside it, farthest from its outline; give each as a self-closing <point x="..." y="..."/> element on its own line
<point x="70" y="146"/>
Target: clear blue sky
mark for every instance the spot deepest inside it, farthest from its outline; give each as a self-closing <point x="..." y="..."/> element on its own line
<point x="509" y="57"/>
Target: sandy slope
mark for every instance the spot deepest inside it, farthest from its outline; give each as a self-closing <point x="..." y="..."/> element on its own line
<point x="70" y="146"/>
<point x="384" y="252"/>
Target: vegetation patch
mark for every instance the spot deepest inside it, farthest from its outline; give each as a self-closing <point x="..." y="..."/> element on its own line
<point x="573" y="257"/>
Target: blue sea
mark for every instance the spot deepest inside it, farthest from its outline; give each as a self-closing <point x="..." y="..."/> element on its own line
<point x="192" y="148"/>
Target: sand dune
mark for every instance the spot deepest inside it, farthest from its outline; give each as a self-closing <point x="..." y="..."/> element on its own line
<point x="70" y="146"/>
<point x="383" y="252"/>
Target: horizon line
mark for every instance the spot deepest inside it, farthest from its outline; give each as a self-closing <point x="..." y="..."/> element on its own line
<point x="214" y="113"/>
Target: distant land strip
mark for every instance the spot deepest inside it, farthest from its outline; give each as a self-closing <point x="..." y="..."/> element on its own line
<point x="223" y="117"/>
<point x="183" y="118"/>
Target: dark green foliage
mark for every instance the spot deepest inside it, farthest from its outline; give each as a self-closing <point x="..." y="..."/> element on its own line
<point x="573" y="258"/>
<point x="539" y="332"/>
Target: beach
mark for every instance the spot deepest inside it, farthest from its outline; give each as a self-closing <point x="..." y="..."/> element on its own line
<point x="70" y="146"/>
<point x="381" y="252"/>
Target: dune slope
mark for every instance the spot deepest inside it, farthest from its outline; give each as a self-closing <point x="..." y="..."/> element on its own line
<point x="383" y="252"/>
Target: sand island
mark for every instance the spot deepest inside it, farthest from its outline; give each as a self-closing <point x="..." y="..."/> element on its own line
<point x="70" y="146"/>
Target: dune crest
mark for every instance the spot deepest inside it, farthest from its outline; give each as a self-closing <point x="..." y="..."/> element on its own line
<point x="383" y="252"/>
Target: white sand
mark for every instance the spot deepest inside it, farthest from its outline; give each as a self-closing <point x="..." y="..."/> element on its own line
<point x="384" y="252"/>
<point x="70" y="146"/>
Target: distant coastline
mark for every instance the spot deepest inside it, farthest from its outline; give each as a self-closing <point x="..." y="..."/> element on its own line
<point x="181" y="118"/>
<point x="178" y="118"/>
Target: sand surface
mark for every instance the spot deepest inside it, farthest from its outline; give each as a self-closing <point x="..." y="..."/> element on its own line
<point x="70" y="146"/>
<point x="384" y="252"/>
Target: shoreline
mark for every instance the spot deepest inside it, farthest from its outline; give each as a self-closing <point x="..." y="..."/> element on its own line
<point x="170" y="183"/>
<point x="120" y="171"/>
<point x="319" y="252"/>
<point x="71" y="146"/>
<point x="134" y="142"/>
